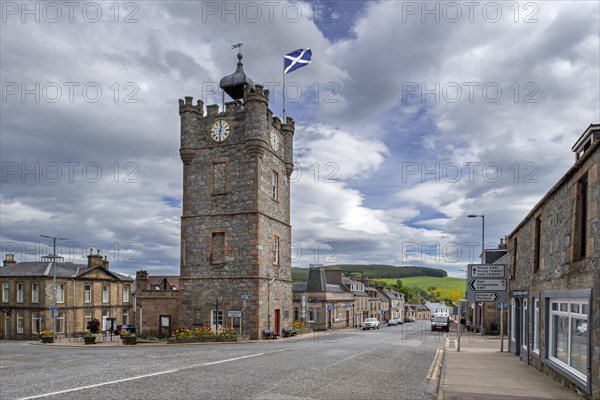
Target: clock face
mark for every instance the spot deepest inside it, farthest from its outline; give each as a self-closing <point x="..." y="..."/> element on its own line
<point x="274" y="140"/>
<point x="220" y="131"/>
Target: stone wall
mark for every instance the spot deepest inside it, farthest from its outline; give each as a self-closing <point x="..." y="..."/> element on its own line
<point x="560" y="269"/>
<point x="237" y="203"/>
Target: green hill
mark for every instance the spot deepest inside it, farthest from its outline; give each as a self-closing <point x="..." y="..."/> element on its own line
<point x="375" y="271"/>
<point x="425" y="282"/>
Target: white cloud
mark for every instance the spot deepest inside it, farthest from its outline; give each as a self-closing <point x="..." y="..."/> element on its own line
<point x="361" y="141"/>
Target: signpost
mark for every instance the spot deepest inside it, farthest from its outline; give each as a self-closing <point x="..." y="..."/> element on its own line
<point x="488" y="284"/>
<point x="234" y="314"/>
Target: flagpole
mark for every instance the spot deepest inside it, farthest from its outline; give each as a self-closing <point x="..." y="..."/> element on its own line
<point x="283" y="92"/>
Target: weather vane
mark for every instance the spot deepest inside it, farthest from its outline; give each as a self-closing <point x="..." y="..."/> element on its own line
<point x="235" y="46"/>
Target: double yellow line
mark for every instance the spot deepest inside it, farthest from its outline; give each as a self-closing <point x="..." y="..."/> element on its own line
<point x="436" y="365"/>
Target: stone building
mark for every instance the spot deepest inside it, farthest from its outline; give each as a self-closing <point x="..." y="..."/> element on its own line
<point x="395" y="303"/>
<point x="554" y="280"/>
<point x="235" y="227"/>
<point x="83" y="291"/>
<point x="378" y="305"/>
<point x="361" y="300"/>
<point x="417" y="311"/>
<point x="157" y="300"/>
<point x="330" y="304"/>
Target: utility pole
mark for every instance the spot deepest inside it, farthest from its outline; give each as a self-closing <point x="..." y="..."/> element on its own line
<point x="54" y="310"/>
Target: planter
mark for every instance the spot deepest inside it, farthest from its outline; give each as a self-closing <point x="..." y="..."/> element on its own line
<point x="129" y="340"/>
<point x="89" y="339"/>
<point x="47" y="339"/>
<point x="202" y="339"/>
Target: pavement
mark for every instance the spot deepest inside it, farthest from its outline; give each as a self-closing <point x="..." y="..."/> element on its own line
<point x="481" y="371"/>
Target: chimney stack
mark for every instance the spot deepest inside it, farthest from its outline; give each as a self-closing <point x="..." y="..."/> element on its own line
<point x="95" y="260"/>
<point x="9" y="259"/>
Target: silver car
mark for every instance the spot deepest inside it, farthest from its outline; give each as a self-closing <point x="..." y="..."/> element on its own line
<point x="370" y="323"/>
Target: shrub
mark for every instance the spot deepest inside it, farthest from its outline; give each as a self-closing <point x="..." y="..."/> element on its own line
<point x="93" y="325"/>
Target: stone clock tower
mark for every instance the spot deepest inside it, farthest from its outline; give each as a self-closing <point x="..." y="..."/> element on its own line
<point x="235" y="228"/>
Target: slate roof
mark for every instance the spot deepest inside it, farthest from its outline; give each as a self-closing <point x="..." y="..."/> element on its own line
<point x="298" y="286"/>
<point x="316" y="280"/>
<point x="172" y="280"/>
<point x="436" y="306"/>
<point x="44" y="269"/>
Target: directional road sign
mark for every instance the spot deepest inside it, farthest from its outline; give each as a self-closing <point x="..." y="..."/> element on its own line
<point x="488" y="271"/>
<point x="487" y="283"/>
<point x="486" y="296"/>
<point x="234" y="314"/>
<point x="246" y="297"/>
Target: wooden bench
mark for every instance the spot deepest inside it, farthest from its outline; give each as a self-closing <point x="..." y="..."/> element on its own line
<point x="269" y="334"/>
<point x="288" y="332"/>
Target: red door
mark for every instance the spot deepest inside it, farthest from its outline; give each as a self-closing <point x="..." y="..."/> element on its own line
<point x="276" y="319"/>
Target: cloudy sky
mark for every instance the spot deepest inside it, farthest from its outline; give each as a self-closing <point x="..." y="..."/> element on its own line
<point x="411" y="116"/>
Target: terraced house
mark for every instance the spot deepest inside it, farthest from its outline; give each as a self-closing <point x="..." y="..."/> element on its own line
<point x="555" y="277"/>
<point x="82" y="292"/>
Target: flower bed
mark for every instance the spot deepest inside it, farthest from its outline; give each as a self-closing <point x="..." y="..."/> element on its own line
<point x="199" y="335"/>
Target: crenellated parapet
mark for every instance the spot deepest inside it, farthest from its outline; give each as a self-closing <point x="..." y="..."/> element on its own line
<point x="288" y="142"/>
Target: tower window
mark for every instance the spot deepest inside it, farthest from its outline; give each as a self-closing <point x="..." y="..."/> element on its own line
<point x="275" y="185"/>
<point x="218" y="248"/>
<point x="275" y="250"/>
<point x="219" y="173"/>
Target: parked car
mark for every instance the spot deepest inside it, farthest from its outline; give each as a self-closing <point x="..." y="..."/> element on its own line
<point x="440" y="323"/>
<point x="409" y="319"/>
<point x="394" y="322"/>
<point x="127" y="327"/>
<point x="581" y="329"/>
<point x="370" y="323"/>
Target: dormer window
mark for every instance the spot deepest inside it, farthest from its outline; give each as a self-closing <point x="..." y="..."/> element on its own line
<point x="586" y="140"/>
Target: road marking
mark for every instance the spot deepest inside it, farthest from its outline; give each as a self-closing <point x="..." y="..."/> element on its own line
<point x="98" y="384"/>
<point x="436" y="366"/>
<point x="233" y="359"/>
<point x="39" y="396"/>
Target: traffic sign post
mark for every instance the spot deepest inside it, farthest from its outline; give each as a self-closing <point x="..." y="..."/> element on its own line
<point x="487" y="283"/>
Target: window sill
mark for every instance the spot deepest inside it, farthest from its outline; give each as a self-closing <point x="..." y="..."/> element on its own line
<point x="561" y="369"/>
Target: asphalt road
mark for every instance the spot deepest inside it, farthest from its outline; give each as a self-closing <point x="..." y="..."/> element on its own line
<point x="392" y="362"/>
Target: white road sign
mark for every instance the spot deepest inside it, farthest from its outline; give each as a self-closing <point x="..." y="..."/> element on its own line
<point x="487" y="284"/>
<point x="486" y="296"/>
<point x="234" y="314"/>
<point x="488" y="271"/>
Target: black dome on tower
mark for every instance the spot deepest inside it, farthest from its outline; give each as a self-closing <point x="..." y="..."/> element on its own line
<point x="235" y="83"/>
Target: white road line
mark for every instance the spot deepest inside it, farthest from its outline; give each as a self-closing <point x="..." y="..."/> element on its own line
<point x="233" y="359"/>
<point x="98" y="384"/>
<point x="138" y="377"/>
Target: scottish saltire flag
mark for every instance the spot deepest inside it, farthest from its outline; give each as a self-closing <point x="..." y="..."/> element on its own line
<point x="296" y="59"/>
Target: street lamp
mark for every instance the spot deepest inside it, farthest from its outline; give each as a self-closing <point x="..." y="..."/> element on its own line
<point x="53" y="283"/>
<point x="482" y="254"/>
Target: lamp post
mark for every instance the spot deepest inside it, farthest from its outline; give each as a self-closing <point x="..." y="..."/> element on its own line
<point x="269" y="282"/>
<point x="53" y="283"/>
<point x="482" y="256"/>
